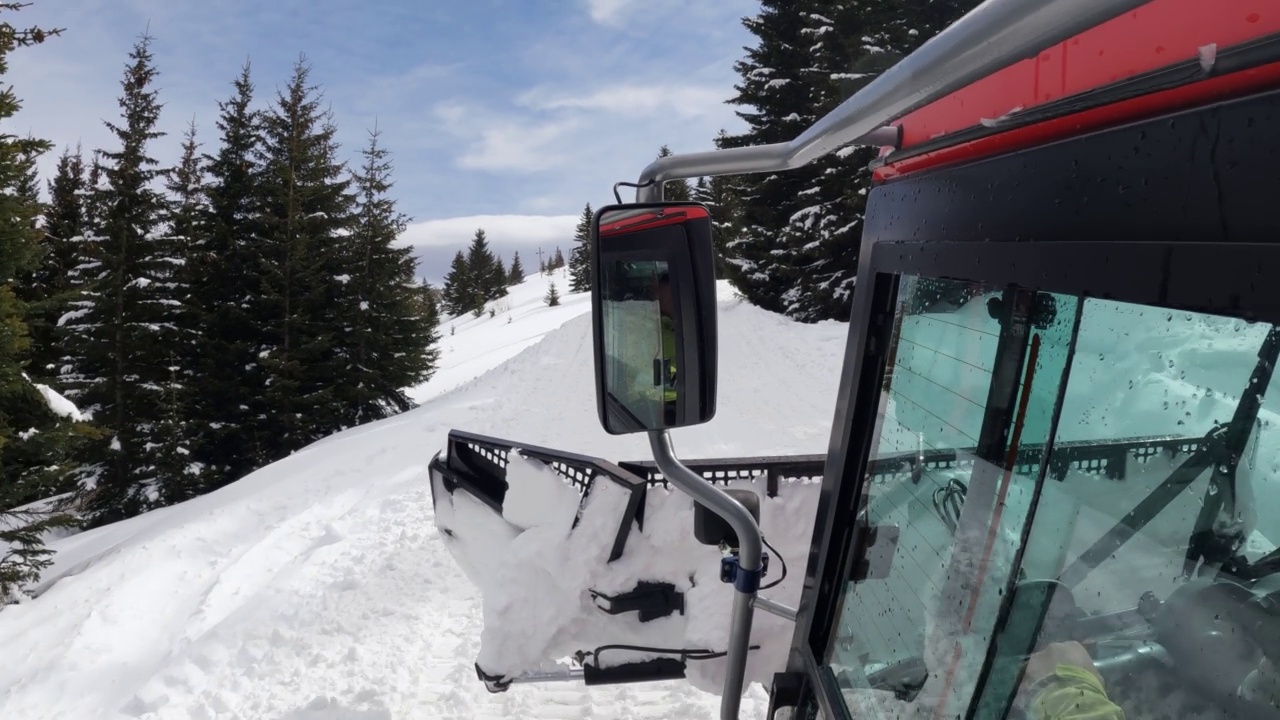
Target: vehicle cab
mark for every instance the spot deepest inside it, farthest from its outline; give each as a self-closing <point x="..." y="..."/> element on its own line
<point x="1053" y="423"/>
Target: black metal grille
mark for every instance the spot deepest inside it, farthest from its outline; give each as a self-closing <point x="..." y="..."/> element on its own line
<point x="478" y="464"/>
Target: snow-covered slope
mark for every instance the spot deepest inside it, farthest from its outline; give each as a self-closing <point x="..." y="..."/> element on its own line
<point x="318" y="587"/>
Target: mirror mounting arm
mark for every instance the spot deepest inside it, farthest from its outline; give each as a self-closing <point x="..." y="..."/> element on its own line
<point x="750" y="550"/>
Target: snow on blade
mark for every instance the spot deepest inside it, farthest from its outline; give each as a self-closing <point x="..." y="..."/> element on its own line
<point x="544" y="583"/>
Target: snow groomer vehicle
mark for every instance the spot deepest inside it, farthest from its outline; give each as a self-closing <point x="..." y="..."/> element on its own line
<point x="1085" y="447"/>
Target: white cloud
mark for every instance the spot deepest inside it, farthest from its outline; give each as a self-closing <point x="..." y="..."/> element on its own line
<point x="521" y="144"/>
<point x="607" y="12"/>
<point x="632" y="99"/>
<point x="523" y="230"/>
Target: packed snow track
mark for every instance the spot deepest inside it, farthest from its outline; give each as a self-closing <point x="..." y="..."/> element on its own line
<point x="318" y="588"/>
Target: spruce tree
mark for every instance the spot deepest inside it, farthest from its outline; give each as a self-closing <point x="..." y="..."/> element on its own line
<point x="305" y="268"/>
<point x="552" y="298"/>
<point x="35" y="443"/>
<point x="458" y="292"/>
<point x="717" y="194"/>
<point x="128" y="324"/>
<point x="392" y="345"/>
<point x="186" y="217"/>
<point x="557" y="261"/>
<point x="674" y="190"/>
<point x="498" y="278"/>
<point x="777" y="100"/>
<point x="47" y="289"/>
<point x="488" y="280"/>
<point x="231" y="409"/>
<point x="515" y="275"/>
<point x="580" y="256"/>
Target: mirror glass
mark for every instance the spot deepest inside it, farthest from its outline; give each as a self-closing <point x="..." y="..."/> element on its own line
<point x="638" y="318"/>
<point x="654" y="316"/>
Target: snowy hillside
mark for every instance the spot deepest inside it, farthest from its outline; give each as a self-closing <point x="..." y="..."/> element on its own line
<point x="318" y="588"/>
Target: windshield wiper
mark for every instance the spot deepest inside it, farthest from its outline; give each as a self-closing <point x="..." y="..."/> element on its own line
<point x="1222" y="449"/>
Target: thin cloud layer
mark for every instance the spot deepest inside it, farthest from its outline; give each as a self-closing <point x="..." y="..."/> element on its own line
<point x="517" y="230"/>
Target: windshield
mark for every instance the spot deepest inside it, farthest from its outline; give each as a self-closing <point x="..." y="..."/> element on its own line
<point x="1059" y="468"/>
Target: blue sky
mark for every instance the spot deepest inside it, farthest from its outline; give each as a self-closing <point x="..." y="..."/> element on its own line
<point x="506" y="114"/>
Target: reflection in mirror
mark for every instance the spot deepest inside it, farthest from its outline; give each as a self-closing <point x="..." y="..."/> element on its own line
<point x="654" y="316"/>
<point x="638" y="314"/>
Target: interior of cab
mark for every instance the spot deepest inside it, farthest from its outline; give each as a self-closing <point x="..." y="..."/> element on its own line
<point x="1067" y="468"/>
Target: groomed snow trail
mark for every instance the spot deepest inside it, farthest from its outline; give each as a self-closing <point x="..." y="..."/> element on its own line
<point x="319" y="589"/>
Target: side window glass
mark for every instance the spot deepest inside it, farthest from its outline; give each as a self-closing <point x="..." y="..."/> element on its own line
<point x="971" y="384"/>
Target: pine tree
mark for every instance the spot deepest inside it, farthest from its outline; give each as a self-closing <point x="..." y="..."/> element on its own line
<point x="778" y="103"/>
<point x="35" y="443"/>
<point x="674" y="190"/>
<point x="393" y="343"/>
<point x="498" y="280"/>
<point x="488" y="279"/>
<point x="47" y="289"/>
<point x="580" y="257"/>
<point x="717" y="195"/>
<point x="305" y="266"/>
<point x="515" y="275"/>
<point x="174" y="435"/>
<point x="127" y="325"/>
<point x="230" y="410"/>
<point x="552" y="298"/>
<point x="557" y="261"/>
<point x="458" y="290"/>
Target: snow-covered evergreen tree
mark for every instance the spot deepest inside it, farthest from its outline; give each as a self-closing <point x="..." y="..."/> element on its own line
<point x="127" y="322"/>
<point x="392" y="340"/>
<point x="486" y="274"/>
<point x="230" y="408"/>
<point x="498" y="278"/>
<point x="186" y="233"/>
<point x="580" y="256"/>
<point x="304" y="267"/>
<point x="458" y="292"/>
<point x="552" y="298"/>
<point x="717" y="194"/>
<point x="674" y="190"/>
<point x="47" y="289"/>
<point x="776" y="95"/>
<point x="35" y="443"/>
<point x="515" y="275"/>
<point x="557" y="260"/>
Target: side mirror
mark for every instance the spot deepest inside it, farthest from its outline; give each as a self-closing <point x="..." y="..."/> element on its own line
<point x="653" y="302"/>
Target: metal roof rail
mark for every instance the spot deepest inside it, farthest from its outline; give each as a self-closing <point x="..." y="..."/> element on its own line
<point x="992" y="36"/>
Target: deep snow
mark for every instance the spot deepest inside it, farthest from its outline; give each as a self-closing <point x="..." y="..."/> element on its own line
<point x="319" y="588"/>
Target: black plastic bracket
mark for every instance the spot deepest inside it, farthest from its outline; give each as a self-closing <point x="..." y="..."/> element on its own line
<point x="650" y="600"/>
<point x="654" y="670"/>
